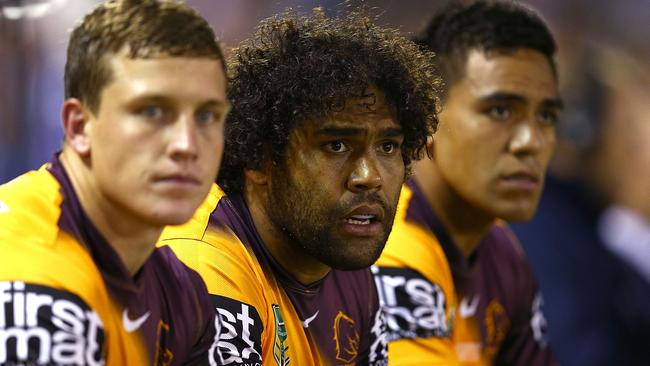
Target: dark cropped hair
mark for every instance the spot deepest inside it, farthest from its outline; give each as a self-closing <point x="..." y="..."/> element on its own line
<point x="142" y="29"/>
<point x="485" y="25"/>
<point x="296" y="68"/>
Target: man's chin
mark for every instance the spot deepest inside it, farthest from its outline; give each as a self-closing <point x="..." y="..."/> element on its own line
<point x="354" y="261"/>
<point x="170" y="217"/>
<point x="517" y="215"/>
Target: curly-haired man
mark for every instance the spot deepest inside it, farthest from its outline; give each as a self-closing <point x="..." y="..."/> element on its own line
<point x="496" y="136"/>
<point x="81" y="280"/>
<point x="328" y="114"/>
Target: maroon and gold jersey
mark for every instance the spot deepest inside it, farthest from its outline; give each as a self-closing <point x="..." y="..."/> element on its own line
<point x="448" y="309"/>
<point x="266" y="316"/>
<point x="66" y="298"/>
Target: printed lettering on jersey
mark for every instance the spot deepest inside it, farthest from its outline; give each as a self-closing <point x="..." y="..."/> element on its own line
<point x="414" y="307"/>
<point x="40" y="325"/>
<point x="378" y="354"/>
<point x="239" y="329"/>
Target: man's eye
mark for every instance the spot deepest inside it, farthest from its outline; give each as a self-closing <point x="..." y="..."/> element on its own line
<point x="206" y="117"/>
<point x="388" y="147"/>
<point x="548" y="117"/>
<point x="499" y="113"/>
<point x="152" y="112"/>
<point x="336" y="146"/>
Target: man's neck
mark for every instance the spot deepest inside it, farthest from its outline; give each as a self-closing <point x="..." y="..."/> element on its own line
<point x="465" y="223"/>
<point x="129" y="236"/>
<point x="300" y="265"/>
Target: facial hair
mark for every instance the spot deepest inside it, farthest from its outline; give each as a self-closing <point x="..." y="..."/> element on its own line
<point x="309" y="225"/>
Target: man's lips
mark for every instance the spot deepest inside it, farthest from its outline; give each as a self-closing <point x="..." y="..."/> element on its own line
<point x="364" y="220"/>
<point x="365" y="213"/>
<point x="522" y="180"/>
<point x="179" y="178"/>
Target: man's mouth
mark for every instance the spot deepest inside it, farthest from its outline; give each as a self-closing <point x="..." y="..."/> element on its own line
<point x="361" y="219"/>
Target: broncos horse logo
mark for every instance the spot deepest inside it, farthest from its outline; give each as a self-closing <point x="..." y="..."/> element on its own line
<point x="346" y="338"/>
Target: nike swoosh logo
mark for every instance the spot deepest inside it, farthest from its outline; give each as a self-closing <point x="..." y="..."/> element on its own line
<point x="466" y="310"/>
<point x="3" y="207"/>
<point x="131" y="325"/>
<point x="305" y="323"/>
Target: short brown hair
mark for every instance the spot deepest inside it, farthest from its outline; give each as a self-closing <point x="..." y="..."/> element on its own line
<point x="142" y="28"/>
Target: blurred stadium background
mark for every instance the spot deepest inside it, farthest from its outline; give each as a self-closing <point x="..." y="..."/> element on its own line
<point x="33" y="37"/>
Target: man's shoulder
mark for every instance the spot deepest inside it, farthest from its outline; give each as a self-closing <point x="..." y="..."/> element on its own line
<point x="62" y="263"/>
<point x="30" y="207"/>
<point x="414" y="247"/>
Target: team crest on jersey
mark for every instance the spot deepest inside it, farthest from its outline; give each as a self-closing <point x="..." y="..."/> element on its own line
<point x="41" y="325"/>
<point x="280" y="347"/>
<point x="346" y="338"/>
<point x="497" y="325"/>
<point x="414" y="307"/>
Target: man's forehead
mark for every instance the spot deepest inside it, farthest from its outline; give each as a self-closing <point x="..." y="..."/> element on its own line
<point x="365" y="100"/>
<point x="523" y="71"/>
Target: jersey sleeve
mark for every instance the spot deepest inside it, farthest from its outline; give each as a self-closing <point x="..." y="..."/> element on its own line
<point x="235" y="293"/>
<point x="416" y="289"/>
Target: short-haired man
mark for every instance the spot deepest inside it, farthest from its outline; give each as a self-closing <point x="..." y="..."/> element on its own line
<point x="453" y="278"/>
<point x="81" y="281"/>
<point x="327" y="116"/>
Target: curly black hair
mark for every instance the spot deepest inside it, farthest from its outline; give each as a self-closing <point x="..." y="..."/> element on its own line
<point x="295" y="68"/>
<point x="486" y="25"/>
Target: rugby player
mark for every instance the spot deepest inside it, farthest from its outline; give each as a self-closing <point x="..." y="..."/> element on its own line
<point x="455" y="283"/>
<point x="81" y="281"/>
<point x="328" y="114"/>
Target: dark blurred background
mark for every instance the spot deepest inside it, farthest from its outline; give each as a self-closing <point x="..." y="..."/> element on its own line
<point x="33" y="39"/>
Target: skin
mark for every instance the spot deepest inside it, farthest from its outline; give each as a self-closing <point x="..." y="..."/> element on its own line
<point x="495" y="139"/>
<point x="148" y="156"/>
<point x="337" y="167"/>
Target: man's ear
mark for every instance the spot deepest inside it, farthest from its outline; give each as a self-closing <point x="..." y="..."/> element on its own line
<point x="76" y="126"/>
<point x="257" y="177"/>
<point x="429" y="147"/>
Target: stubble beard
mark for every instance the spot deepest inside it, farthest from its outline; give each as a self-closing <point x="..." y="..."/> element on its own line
<point x="309" y="227"/>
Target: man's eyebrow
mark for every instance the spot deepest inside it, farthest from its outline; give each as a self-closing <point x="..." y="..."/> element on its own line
<point x="392" y="132"/>
<point x="355" y="131"/>
<point x="164" y="99"/>
<point x="214" y="103"/>
<point x="503" y="97"/>
<point x="340" y="131"/>
<point x="555" y="103"/>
